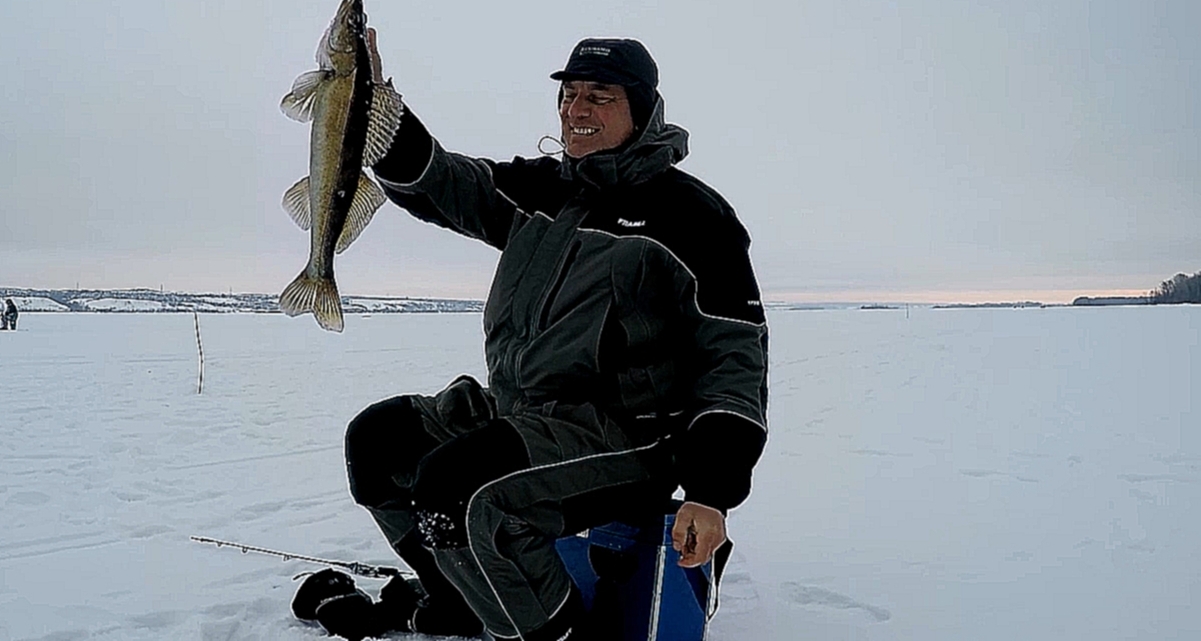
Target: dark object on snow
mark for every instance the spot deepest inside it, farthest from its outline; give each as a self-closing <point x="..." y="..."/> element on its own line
<point x="8" y="320"/>
<point x="349" y="616"/>
<point x="331" y="598"/>
<point x="317" y="588"/>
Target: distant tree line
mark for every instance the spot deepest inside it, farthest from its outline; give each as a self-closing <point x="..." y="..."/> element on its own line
<point x="1180" y="288"/>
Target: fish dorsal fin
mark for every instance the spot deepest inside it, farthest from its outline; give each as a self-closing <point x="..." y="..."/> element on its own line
<point x="296" y="203"/>
<point x="298" y="104"/>
<point x="368" y="198"/>
<point x="382" y="123"/>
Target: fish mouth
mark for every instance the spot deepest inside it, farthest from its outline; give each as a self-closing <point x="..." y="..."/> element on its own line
<point x="349" y="23"/>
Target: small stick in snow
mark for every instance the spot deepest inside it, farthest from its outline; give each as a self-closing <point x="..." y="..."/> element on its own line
<point x="200" y="351"/>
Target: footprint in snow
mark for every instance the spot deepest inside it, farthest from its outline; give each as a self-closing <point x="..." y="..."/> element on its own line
<point x="981" y="473"/>
<point x="738" y="594"/>
<point x="821" y="597"/>
<point x="28" y="499"/>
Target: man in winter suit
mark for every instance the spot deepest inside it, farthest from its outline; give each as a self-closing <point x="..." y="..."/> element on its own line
<point x="627" y="357"/>
<point x="8" y="317"/>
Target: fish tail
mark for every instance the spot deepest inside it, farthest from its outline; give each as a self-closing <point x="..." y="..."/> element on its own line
<point x="318" y="296"/>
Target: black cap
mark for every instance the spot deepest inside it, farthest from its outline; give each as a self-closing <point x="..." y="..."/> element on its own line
<point x="613" y="61"/>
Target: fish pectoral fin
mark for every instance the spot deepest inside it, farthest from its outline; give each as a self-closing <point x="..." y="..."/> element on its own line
<point x="382" y="122"/>
<point x="368" y="198"/>
<point x="318" y="296"/>
<point x="296" y="203"/>
<point x="298" y="104"/>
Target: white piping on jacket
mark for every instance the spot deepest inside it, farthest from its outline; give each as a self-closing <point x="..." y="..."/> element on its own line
<point x="471" y="503"/>
<point x="720" y="411"/>
<point x="695" y="294"/>
<point x="428" y="163"/>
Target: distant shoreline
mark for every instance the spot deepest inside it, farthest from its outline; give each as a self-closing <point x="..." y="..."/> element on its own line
<point x="123" y="301"/>
<point x="157" y="301"/>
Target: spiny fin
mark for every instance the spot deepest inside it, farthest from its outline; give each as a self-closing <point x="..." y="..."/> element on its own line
<point x="313" y="295"/>
<point x="368" y="198"/>
<point x="296" y="203"/>
<point x="382" y="123"/>
<point x="298" y="104"/>
<point x="322" y="55"/>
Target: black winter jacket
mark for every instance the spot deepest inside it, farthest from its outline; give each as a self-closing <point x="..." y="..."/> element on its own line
<point x="624" y="283"/>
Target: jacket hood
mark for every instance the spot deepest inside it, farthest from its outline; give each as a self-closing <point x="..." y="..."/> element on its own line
<point x="658" y="146"/>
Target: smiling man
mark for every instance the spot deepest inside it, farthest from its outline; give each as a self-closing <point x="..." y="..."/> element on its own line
<point x="595" y="117"/>
<point x="627" y="357"/>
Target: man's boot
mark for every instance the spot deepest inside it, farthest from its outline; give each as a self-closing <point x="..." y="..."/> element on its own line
<point x="442" y="611"/>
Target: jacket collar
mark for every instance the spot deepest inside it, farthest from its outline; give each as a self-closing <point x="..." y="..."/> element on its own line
<point x="657" y="148"/>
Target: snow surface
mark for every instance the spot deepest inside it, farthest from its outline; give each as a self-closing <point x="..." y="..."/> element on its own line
<point x="958" y="474"/>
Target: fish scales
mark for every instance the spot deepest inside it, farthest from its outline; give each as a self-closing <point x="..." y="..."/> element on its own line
<point x="353" y="121"/>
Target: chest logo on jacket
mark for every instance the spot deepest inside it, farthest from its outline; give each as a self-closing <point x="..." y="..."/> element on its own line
<point x="631" y="223"/>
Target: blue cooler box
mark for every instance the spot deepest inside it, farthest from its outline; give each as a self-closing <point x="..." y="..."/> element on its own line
<point x="628" y="577"/>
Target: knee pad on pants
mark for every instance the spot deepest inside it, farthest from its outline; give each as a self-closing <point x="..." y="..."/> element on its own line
<point x="384" y="444"/>
<point x="451" y="474"/>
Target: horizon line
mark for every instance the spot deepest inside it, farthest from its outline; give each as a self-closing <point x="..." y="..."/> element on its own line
<point x="848" y="296"/>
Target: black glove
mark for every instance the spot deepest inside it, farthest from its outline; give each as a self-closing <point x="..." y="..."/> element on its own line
<point x="318" y="587"/>
<point x="353" y="616"/>
<point x="330" y="598"/>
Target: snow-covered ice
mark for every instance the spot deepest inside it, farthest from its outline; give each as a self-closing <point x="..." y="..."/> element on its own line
<point x="957" y="474"/>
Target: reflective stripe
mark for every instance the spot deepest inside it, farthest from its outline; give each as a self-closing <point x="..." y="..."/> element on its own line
<point x="695" y="294"/>
<point x="757" y="423"/>
<point x="471" y="504"/>
<point x="657" y="597"/>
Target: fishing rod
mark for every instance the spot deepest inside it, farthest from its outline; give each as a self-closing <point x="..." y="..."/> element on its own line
<point x="354" y="567"/>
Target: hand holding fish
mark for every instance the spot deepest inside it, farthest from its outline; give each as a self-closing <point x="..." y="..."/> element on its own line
<point x="354" y="117"/>
<point x="377" y="66"/>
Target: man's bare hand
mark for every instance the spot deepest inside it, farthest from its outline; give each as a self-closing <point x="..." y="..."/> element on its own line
<point x="698" y="532"/>
<point x="377" y="67"/>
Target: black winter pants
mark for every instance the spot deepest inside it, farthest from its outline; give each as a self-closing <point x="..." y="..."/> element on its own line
<point x="489" y="494"/>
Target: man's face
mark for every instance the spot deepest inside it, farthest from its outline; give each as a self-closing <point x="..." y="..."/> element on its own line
<point x="595" y="117"/>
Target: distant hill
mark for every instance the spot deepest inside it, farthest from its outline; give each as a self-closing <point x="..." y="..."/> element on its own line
<point x="1102" y="301"/>
<point x="150" y="300"/>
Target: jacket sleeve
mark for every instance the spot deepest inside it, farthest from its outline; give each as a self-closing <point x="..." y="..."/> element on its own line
<point x="727" y="427"/>
<point x="448" y="189"/>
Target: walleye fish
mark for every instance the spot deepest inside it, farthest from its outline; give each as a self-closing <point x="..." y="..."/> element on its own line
<point x="354" y="120"/>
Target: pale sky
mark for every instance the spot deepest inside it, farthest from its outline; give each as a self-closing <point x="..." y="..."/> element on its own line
<point x="917" y="150"/>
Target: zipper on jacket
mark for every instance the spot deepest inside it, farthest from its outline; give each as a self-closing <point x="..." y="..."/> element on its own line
<point x="554" y="290"/>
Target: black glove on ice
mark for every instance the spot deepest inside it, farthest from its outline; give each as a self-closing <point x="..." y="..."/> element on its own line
<point x="317" y="588"/>
<point x="353" y="616"/>
<point x="331" y="598"/>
